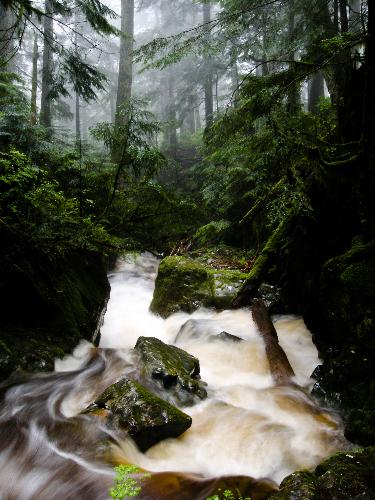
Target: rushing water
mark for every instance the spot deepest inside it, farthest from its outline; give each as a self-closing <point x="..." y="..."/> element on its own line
<point x="246" y="426"/>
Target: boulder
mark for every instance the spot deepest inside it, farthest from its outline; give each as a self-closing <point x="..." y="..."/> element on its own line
<point x="129" y="406"/>
<point x="349" y="475"/>
<point x="184" y="284"/>
<point x="170" y="371"/>
<point x="203" y="330"/>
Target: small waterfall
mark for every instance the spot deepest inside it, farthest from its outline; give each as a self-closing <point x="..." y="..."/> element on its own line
<point x="246" y="426"/>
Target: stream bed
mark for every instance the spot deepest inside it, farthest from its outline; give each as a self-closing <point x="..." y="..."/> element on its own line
<point x="245" y="427"/>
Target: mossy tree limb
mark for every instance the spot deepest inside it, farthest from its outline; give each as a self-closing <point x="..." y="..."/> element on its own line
<point x="265" y="259"/>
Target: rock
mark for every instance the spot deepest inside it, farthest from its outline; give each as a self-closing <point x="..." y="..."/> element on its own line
<point x="185" y="285"/>
<point x="227" y="337"/>
<point x="131" y="407"/>
<point x="202" y="329"/>
<point x="348" y="475"/>
<point x="270" y="294"/>
<point x="48" y="306"/>
<point x="171" y="370"/>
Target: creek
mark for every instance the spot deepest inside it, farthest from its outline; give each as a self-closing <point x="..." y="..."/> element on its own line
<point x="246" y="426"/>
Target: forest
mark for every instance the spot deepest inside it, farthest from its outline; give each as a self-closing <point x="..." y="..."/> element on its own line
<point x="194" y="178"/>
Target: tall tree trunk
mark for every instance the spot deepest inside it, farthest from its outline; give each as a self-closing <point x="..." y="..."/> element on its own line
<point x="45" y="105"/>
<point x="336" y="15"/>
<point x="125" y="76"/>
<point x="191" y="114"/>
<point x="343" y="16"/>
<point x="198" y="121"/>
<point x="316" y="91"/>
<point x="172" y="118"/>
<point x="34" y="81"/>
<point x="294" y="98"/>
<point x="77" y="106"/>
<point x="355" y="16"/>
<point x="7" y="37"/>
<point x="208" y="83"/>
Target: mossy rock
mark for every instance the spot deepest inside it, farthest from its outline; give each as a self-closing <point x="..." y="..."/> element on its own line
<point x="170" y="371"/>
<point x="147" y="418"/>
<point x="48" y="306"/>
<point x="184" y="284"/>
<point x="347" y="292"/>
<point x="348" y="475"/>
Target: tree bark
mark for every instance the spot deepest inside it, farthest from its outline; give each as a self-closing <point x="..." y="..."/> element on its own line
<point x="280" y="368"/>
<point x="343" y="16"/>
<point x="316" y="91"/>
<point x="7" y="37"/>
<point x="34" y="81"/>
<point x="125" y="76"/>
<point x="208" y="83"/>
<point x="45" y="105"/>
<point x="172" y="117"/>
<point x="77" y="106"/>
<point x="294" y="98"/>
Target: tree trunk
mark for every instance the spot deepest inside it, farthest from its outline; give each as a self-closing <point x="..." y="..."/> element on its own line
<point x="34" y="81"/>
<point x="172" y="118"/>
<point x="198" y="121"/>
<point x="343" y="16"/>
<point x="45" y="105"/>
<point x="77" y="107"/>
<point x="125" y="76"/>
<point x="208" y="83"/>
<point x="191" y="115"/>
<point x="316" y="91"/>
<point x="7" y="37"/>
<point x="294" y="98"/>
<point x="336" y="15"/>
<point x="355" y="16"/>
<point x="280" y="368"/>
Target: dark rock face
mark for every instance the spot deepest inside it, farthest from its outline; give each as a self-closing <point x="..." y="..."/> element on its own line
<point x="48" y="306"/>
<point x="347" y="310"/>
<point x="148" y="419"/>
<point x="170" y="369"/>
<point x="344" y="476"/>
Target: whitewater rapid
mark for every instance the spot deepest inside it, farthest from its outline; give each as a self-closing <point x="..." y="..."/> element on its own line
<point x="246" y="426"/>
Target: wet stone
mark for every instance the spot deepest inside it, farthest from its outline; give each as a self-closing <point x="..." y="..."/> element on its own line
<point x="170" y="371"/>
<point x="148" y="419"/>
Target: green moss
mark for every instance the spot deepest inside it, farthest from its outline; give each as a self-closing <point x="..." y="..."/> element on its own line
<point x="184" y="284"/>
<point x="173" y="369"/>
<point x="343" y="476"/>
<point x="147" y="418"/>
<point x="297" y="486"/>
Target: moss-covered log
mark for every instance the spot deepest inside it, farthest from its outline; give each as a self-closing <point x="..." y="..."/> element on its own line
<point x="280" y="368"/>
<point x="265" y="260"/>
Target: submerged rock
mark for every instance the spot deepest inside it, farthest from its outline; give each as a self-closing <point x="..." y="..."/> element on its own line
<point x="344" y="476"/>
<point x="131" y="407"/>
<point x="185" y="285"/>
<point x="202" y="329"/>
<point x="171" y="369"/>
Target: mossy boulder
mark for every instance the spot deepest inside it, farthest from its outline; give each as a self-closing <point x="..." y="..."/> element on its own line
<point x="170" y="371"/>
<point x="348" y="475"/>
<point x="131" y="407"/>
<point x="48" y="306"/>
<point x="184" y="284"/>
<point x="347" y="310"/>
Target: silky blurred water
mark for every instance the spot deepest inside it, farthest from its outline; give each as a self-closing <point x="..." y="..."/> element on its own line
<point x="246" y="425"/>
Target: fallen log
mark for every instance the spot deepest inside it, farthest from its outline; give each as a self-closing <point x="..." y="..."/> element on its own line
<point x="280" y="368"/>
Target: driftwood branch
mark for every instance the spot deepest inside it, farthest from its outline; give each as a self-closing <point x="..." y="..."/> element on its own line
<point x="281" y="370"/>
